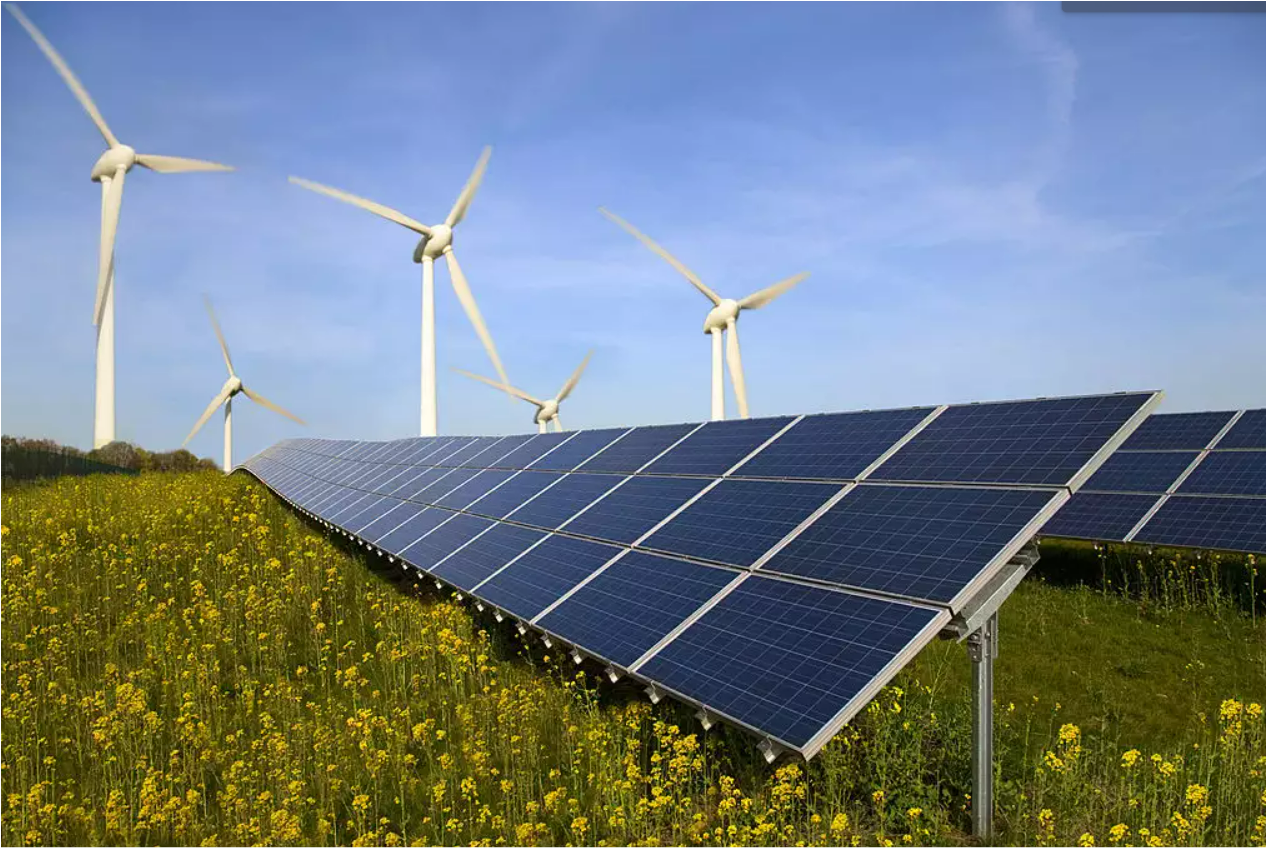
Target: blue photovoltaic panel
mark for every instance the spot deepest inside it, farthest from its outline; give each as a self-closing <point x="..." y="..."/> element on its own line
<point x="389" y="520"/>
<point x="542" y="575"/>
<point x="714" y="448"/>
<point x="833" y="447"/>
<point x="349" y="506"/>
<point x="342" y="499"/>
<point x="418" y="483"/>
<point x="563" y="500"/>
<point x="1184" y="431"/>
<point x="637" y="449"/>
<point x="739" y="520"/>
<point x="467" y="567"/>
<point x="491" y="458"/>
<point x="408" y="532"/>
<point x="531" y="450"/>
<point x="512" y="494"/>
<point x="1037" y="442"/>
<point x="788" y="658"/>
<point x="573" y="452"/>
<point x="926" y="542"/>
<point x="475" y="448"/>
<point x="426" y="551"/>
<point x="387" y="484"/>
<point x="1097" y="515"/>
<point x="455" y="479"/>
<point x="1233" y="524"/>
<point x="637" y="600"/>
<point x="1140" y="471"/>
<point x="479" y="485"/>
<point x="1247" y="433"/>
<point x="634" y="508"/>
<point x="369" y="514"/>
<point x="1227" y="473"/>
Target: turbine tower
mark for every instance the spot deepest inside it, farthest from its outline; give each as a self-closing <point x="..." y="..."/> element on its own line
<point x="436" y="241"/>
<point x="231" y="387"/>
<point x="547" y="410"/>
<point x="723" y="317"/>
<point x="110" y="171"/>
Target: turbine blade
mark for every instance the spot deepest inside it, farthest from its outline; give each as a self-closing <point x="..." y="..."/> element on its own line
<point x="759" y="299"/>
<point x="224" y="347"/>
<point x="463" y="290"/>
<point x="734" y="362"/>
<point x="215" y="404"/>
<point x="177" y="164"/>
<point x="574" y="379"/>
<point x="558" y="425"/>
<point x="458" y="212"/>
<point x="368" y="205"/>
<point x="268" y="404"/>
<point x="508" y="389"/>
<point x="109" y="226"/>
<point x="59" y="63"/>
<point x="664" y="254"/>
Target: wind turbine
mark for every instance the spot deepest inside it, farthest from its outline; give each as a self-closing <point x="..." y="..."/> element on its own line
<point x="110" y="171"/>
<point x="436" y="241"/>
<point x="231" y="387"/>
<point x="723" y="317"/>
<point x="547" y="410"/>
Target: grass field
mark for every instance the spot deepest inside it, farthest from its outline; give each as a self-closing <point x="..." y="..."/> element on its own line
<point x="185" y="661"/>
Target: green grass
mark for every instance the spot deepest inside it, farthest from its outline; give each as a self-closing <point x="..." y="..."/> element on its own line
<point x="187" y="662"/>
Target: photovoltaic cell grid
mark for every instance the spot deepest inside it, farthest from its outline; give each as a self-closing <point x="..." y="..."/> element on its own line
<point x="1193" y="479"/>
<point x="743" y="566"/>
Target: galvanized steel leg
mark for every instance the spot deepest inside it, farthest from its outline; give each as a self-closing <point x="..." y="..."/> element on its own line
<point x="983" y="647"/>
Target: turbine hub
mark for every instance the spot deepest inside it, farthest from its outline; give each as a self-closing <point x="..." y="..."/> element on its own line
<point x="441" y="238"/>
<point x="548" y="410"/>
<point x="113" y="159"/>
<point x="721" y="314"/>
<point x="234" y="385"/>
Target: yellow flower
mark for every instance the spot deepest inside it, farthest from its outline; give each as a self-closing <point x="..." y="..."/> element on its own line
<point x="1130" y="758"/>
<point x="1086" y="839"/>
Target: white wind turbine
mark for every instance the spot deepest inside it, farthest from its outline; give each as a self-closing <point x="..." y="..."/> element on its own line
<point x="722" y="317"/>
<point x="231" y="387"/>
<point x="436" y="241"/>
<point x="547" y="410"/>
<point x="110" y="171"/>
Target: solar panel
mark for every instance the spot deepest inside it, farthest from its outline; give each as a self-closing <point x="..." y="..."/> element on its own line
<point x="711" y="450"/>
<point x="635" y="507"/>
<point x="1099" y="515"/>
<point x="713" y="561"/>
<point x="1228" y="463"/>
<point x="570" y="494"/>
<point x="1234" y="524"/>
<point x="737" y="521"/>
<point x="925" y="542"/>
<point x="1228" y="473"/>
<point x="1249" y="433"/>
<point x="833" y="447"/>
<point x="474" y="563"/>
<point x="1183" y="431"/>
<point x="637" y="449"/>
<point x="541" y="576"/>
<point x="447" y="536"/>
<point x="633" y="604"/>
<point x="790" y="659"/>
<point x="1026" y="442"/>
<point x="1140" y="471"/>
<point x="576" y="450"/>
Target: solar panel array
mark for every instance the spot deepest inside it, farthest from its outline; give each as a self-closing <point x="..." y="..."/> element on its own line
<point x="775" y="572"/>
<point x="1192" y="479"/>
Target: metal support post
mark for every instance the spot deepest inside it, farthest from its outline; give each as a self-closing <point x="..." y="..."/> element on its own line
<point x="983" y="647"/>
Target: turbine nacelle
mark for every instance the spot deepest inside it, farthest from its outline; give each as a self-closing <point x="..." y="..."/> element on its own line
<point x="434" y="245"/>
<point x="118" y="156"/>
<point x="720" y="316"/>
<point x="546" y="412"/>
<point x="232" y="386"/>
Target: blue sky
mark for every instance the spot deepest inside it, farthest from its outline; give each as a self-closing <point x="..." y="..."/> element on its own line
<point x="994" y="201"/>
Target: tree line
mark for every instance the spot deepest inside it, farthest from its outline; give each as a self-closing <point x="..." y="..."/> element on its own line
<point x="120" y="454"/>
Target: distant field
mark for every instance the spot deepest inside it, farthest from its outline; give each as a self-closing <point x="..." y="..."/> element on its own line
<point x="187" y="662"/>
